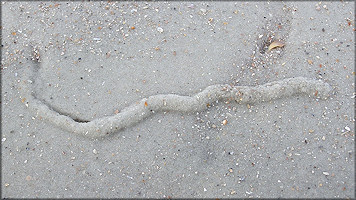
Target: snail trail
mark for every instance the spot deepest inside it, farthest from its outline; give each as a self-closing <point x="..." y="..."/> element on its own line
<point x="140" y="110"/>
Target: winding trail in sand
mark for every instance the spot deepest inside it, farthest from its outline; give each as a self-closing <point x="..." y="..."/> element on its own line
<point x="140" y="110"/>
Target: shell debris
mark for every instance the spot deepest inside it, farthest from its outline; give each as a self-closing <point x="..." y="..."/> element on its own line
<point x="275" y="44"/>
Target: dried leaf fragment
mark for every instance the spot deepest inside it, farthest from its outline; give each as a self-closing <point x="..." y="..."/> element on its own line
<point x="275" y="44"/>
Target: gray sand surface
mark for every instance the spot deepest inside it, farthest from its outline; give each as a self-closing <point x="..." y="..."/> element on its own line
<point x="98" y="58"/>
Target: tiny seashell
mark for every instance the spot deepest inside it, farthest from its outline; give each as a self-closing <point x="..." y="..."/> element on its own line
<point x="275" y="44"/>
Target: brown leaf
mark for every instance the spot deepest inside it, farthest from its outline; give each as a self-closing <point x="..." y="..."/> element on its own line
<point x="275" y="44"/>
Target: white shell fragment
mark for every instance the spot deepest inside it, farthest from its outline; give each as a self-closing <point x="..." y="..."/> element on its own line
<point x="159" y="29"/>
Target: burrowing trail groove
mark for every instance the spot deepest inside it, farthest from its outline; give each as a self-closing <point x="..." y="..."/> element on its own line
<point x="137" y="111"/>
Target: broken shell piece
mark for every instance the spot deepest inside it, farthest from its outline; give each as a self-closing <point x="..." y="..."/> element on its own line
<point x="275" y="44"/>
<point x="224" y="122"/>
<point x="159" y="29"/>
